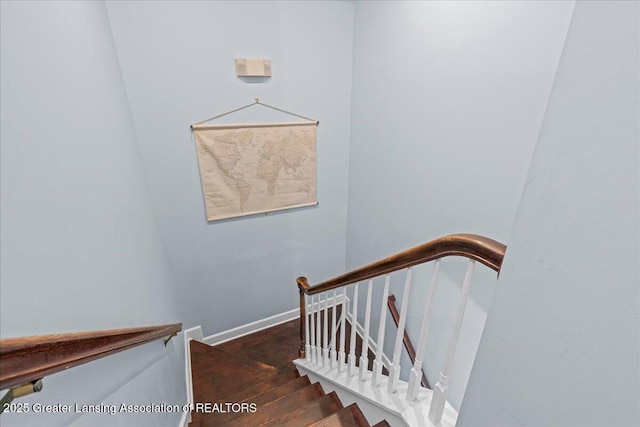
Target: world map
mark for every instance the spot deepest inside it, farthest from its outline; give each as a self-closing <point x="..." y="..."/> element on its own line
<point x="254" y="168"/>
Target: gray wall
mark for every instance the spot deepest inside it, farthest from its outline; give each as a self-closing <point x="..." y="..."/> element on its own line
<point x="561" y="346"/>
<point x="79" y="246"/>
<point x="561" y="343"/>
<point x="177" y="60"/>
<point x="91" y="118"/>
<point x="447" y="100"/>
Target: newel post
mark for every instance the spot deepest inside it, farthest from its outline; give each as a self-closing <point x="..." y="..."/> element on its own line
<point x="303" y="319"/>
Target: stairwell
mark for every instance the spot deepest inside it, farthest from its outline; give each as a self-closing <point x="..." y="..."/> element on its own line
<point x="251" y="381"/>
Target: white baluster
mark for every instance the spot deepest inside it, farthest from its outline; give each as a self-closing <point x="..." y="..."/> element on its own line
<point x="312" y="329"/>
<point x="342" y="331"/>
<point x="325" y="331"/>
<point x="332" y="346"/>
<point x="415" y="376"/>
<point x="394" y="369"/>
<point x="307" y="346"/>
<point x="351" y="369"/>
<point x="377" y="363"/>
<point x="442" y="387"/>
<point x="364" y="354"/>
<point x="319" y="331"/>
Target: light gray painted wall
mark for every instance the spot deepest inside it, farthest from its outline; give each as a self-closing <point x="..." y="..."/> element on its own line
<point x="177" y="60"/>
<point x="80" y="249"/>
<point x="447" y="101"/>
<point x="561" y="343"/>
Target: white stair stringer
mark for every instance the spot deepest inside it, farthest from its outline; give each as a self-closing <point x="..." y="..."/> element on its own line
<point x="376" y="404"/>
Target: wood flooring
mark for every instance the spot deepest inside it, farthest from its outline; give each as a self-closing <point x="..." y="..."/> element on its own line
<point x="251" y="381"/>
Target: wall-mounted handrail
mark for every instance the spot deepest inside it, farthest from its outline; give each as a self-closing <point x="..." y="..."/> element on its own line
<point x="479" y="248"/>
<point x="31" y="358"/>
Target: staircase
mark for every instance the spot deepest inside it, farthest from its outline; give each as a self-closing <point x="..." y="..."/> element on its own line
<point x="251" y="381"/>
<point x="403" y="402"/>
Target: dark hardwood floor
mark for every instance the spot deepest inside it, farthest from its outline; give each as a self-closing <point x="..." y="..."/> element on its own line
<point x="257" y="369"/>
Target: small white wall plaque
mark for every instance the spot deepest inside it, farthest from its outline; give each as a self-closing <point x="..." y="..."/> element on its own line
<point x="253" y="67"/>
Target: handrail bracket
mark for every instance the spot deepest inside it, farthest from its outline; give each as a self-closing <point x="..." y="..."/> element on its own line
<point x="166" y="341"/>
<point x="23" y="390"/>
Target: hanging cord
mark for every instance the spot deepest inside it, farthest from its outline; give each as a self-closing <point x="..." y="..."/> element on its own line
<point x="286" y="112"/>
<point x="257" y="101"/>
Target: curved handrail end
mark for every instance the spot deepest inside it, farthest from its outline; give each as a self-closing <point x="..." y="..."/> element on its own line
<point x="479" y="248"/>
<point x="303" y="284"/>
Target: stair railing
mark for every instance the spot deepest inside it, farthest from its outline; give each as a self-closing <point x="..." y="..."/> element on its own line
<point x="318" y="349"/>
<point x="25" y="361"/>
<point x="391" y="303"/>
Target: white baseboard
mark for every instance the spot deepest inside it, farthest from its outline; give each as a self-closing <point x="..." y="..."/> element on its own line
<point x="185" y="419"/>
<point x="259" y="325"/>
<point x="194" y="334"/>
<point x="252" y="327"/>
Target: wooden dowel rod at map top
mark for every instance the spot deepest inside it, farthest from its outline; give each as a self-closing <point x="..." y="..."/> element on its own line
<point x="252" y="125"/>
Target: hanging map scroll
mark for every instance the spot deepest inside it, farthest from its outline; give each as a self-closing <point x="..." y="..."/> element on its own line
<point x="254" y="168"/>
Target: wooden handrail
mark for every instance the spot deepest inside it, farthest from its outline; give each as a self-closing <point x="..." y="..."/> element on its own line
<point x="479" y="248"/>
<point x="30" y="358"/>
<point x="391" y="303"/>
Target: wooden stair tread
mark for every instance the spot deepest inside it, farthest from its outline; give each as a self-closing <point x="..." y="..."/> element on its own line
<point x="279" y="391"/>
<point x="308" y="413"/>
<point x="260" y="345"/>
<point x="215" y="373"/>
<point x="382" y="423"/>
<point x="351" y="416"/>
<point x="274" y="409"/>
<point x="256" y="370"/>
<point x="262" y="387"/>
<point x="260" y="400"/>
